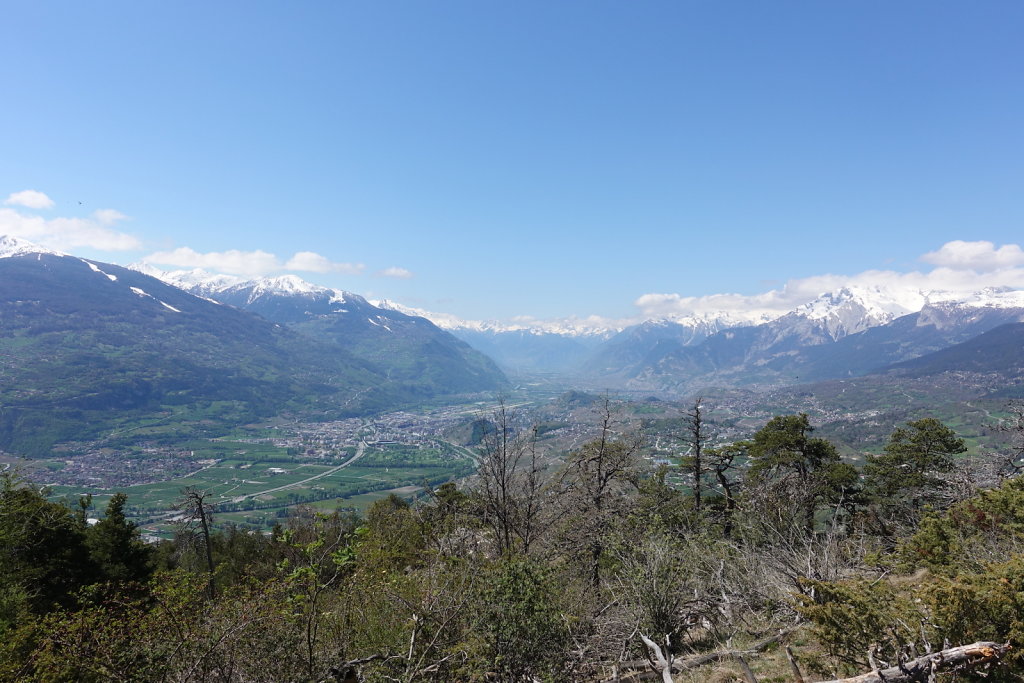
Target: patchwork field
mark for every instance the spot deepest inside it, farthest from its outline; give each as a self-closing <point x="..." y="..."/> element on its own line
<point x="254" y="484"/>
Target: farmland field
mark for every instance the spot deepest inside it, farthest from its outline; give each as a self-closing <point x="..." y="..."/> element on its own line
<point x="254" y="485"/>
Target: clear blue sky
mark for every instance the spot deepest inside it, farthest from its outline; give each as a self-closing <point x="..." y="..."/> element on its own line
<point x="545" y="158"/>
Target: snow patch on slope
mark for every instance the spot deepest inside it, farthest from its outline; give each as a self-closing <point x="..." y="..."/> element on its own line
<point x="92" y="266"/>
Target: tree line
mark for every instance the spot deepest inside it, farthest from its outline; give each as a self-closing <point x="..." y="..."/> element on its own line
<point x="776" y="561"/>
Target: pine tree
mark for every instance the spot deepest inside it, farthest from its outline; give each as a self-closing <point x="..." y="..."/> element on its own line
<point x="908" y="473"/>
<point x="116" y="547"/>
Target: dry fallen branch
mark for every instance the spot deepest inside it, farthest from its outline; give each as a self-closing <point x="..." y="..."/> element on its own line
<point x="922" y="668"/>
<point x="641" y="668"/>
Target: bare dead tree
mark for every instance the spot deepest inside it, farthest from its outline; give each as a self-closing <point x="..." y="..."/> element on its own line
<point x="657" y="593"/>
<point x="197" y="510"/>
<point x="594" y="477"/>
<point x="531" y="519"/>
<point x="695" y="438"/>
<point x="1012" y="464"/>
<point x="511" y="483"/>
<point x="434" y="614"/>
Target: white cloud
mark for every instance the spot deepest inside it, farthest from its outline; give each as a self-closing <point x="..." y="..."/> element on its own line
<point x="108" y="216"/>
<point x="396" y="272"/>
<point x="963" y="267"/>
<point x="234" y="261"/>
<point x="980" y="256"/>
<point x="315" y="263"/>
<point x="32" y="199"/>
<point x="65" y="234"/>
<point x="250" y="263"/>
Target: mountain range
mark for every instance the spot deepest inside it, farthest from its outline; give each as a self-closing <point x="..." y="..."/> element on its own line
<point x="409" y="350"/>
<point x="846" y="333"/>
<point x="841" y="334"/>
<point x="88" y="349"/>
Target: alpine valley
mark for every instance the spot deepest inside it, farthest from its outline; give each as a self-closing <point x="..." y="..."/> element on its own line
<point x="329" y="453"/>
<point x="93" y="349"/>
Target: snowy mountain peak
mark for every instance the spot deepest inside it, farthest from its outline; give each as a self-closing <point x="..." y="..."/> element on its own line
<point x="568" y="327"/>
<point x="196" y="281"/>
<point x="287" y="285"/>
<point x="857" y="308"/>
<point x="990" y="297"/>
<point x="720" y="320"/>
<point x="15" y="246"/>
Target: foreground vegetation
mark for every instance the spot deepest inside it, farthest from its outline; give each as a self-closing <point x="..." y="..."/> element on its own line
<point x="776" y="560"/>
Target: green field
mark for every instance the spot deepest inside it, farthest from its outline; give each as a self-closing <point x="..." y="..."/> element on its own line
<point x="255" y="484"/>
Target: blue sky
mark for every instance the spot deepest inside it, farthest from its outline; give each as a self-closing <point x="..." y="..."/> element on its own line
<point x="495" y="159"/>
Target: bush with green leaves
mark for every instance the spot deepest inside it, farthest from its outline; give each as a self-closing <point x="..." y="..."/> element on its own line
<point x="518" y="633"/>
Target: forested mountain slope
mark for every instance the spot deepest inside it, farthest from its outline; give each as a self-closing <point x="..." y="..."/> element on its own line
<point x="409" y="350"/>
<point x="86" y="346"/>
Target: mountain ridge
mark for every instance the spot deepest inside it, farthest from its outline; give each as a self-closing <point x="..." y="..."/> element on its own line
<point x="409" y="349"/>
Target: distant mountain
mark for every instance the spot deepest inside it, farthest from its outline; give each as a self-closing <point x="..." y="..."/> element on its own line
<point x="842" y="334"/>
<point x="1000" y="350"/>
<point x="531" y="351"/>
<point x="559" y="346"/>
<point x="644" y="344"/>
<point x="88" y="346"/>
<point x="935" y="327"/>
<point x="409" y="350"/>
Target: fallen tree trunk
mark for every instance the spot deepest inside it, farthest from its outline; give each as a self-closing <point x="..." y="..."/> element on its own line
<point x="639" y="669"/>
<point x="921" y="669"/>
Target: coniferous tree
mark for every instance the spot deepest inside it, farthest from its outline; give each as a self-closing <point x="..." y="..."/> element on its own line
<point x="44" y="556"/>
<point x="116" y="547"/>
<point x="784" y="453"/>
<point x="908" y="474"/>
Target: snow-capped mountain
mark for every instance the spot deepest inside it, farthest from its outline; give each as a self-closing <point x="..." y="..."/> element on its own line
<point x="196" y="281"/>
<point x="799" y="342"/>
<point x="525" y="344"/>
<point x="846" y="333"/>
<point x="410" y="347"/>
<point x="570" y="344"/>
<point x="96" y="345"/>
<point x="570" y="326"/>
<point x="855" y="309"/>
<point x="15" y="246"/>
<point x="610" y="348"/>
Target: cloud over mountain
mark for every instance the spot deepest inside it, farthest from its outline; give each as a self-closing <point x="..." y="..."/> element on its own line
<point x="64" y="233"/>
<point x="961" y="267"/>
<point x="979" y="256"/>
<point x="396" y="272"/>
<point x="250" y="263"/>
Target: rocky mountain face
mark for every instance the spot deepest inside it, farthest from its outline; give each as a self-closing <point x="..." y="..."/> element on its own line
<point x="843" y="334"/>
